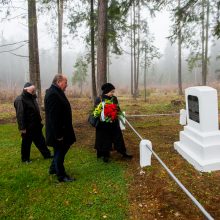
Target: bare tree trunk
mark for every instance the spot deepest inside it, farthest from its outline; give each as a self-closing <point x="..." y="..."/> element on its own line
<point x="108" y="65"/>
<point x="102" y="44"/>
<point x="92" y="29"/>
<point x="179" y="56"/>
<point x="132" y="73"/>
<point x="60" y="33"/>
<point x="134" y="44"/>
<point x="206" y="43"/>
<point x="31" y="33"/>
<point x="145" y="75"/>
<point x="138" y="51"/>
<point x="203" y="43"/>
<point x="34" y="65"/>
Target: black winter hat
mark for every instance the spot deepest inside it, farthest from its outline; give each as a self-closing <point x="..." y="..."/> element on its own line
<point x="107" y="87"/>
<point x="27" y="84"/>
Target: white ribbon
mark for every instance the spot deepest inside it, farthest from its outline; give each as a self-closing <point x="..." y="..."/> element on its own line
<point x="102" y="113"/>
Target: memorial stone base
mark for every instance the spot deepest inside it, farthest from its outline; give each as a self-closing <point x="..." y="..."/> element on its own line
<point x="199" y="142"/>
<point x="202" y="150"/>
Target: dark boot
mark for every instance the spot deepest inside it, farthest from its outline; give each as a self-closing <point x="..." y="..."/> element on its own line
<point x="106" y="159"/>
<point x="106" y="156"/>
<point x="99" y="154"/>
<point x="127" y="156"/>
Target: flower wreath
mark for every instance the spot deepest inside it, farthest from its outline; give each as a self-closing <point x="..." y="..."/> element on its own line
<point x="110" y="113"/>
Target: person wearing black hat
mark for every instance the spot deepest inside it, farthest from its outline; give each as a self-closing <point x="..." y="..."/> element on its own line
<point x="29" y="123"/>
<point x="109" y="135"/>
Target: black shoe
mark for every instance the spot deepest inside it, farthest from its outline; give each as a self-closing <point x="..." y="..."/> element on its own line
<point x="127" y="156"/>
<point x="106" y="159"/>
<point x="99" y="154"/>
<point x="66" y="179"/>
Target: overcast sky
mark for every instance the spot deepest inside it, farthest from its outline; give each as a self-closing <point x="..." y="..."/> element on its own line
<point x="16" y="30"/>
<point x="159" y="26"/>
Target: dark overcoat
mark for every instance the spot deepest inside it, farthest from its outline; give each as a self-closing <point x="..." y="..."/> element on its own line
<point x="27" y="112"/>
<point x="58" y="117"/>
<point x="109" y="135"/>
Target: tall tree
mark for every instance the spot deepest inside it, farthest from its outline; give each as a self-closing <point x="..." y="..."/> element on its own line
<point x="148" y="52"/>
<point x="206" y="43"/>
<point x="132" y="73"/>
<point x="102" y="44"/>
<point x="116" y="25"/>
<point x="138" y="48"/>
<point x="34" y="65"/>
<point x="134" y="50"/>
<point x="92" y="39"/>
<point x="56" y="8"/>
<point x="80" y="73"/>
<point x="192" y="13"/>
<point x="179" y="55"/>
<point x="203" y="43"/>
<point x="60" y="33"/>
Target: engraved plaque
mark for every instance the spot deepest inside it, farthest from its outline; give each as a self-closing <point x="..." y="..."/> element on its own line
<point x="193" y="106"/>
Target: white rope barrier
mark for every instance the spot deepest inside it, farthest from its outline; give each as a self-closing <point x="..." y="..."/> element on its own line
<point x="153" y="115"/>
<point x="201" y="208"/>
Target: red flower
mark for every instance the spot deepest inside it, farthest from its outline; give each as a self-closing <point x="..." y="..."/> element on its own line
<point x="110" y="111"/>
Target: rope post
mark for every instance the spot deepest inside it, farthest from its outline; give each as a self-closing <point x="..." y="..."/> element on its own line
<point x="145" y="153"/>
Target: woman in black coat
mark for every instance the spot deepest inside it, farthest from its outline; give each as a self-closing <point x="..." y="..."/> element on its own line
<point x="108" y="134"/>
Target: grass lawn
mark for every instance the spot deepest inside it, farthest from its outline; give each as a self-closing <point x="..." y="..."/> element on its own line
<point x="28" y="192"/>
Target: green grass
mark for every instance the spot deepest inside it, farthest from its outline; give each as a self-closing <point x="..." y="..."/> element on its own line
<point x="28" y="192"/>
<point x="7" y="111"/>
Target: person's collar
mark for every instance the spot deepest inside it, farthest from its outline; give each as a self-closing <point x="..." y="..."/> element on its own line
<point x="56" y="86"/>
<point x="29" y="94"/>
<point x="106" y="97"/>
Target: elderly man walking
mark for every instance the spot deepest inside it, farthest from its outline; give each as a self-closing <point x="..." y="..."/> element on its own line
<point x="29" y="123"/>
<point x="59" y="130"/>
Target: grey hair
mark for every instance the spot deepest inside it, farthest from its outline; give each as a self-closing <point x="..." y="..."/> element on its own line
<point x="58" y="77"/>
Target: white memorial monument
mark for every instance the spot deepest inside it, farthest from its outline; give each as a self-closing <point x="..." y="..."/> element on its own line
<point x="200" y="140"/>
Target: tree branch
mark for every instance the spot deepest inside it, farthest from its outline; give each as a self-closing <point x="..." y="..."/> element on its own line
<point x="5" y="45"/>
<point x="22" y="14"/>
<point x="18" y="55"/>
<point x="5" y="51"/>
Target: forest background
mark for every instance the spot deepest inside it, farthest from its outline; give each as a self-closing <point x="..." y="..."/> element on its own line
<point x="148" y="44"/>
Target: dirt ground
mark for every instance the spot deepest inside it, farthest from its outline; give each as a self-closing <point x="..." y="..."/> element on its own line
<point x="153" y="194"/>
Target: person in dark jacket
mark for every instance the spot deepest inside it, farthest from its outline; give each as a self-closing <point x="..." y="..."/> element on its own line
<point x="29" y="123"/>
<point x="59" y="130"/>
<point x="109" y="134"/>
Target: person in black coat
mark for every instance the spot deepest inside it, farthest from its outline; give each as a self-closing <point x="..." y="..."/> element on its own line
<point x="29" y="123"/>
<point x="109" y="134"/>
<point x="59" y="130"/>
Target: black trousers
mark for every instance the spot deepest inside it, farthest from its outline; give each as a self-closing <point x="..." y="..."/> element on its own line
<point x="57" y="165"/>
<point x="37" y="137"/>
<point x="108" y="137"/>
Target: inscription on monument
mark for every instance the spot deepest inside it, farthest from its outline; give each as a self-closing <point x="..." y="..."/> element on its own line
<point x="193" y="106"/>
